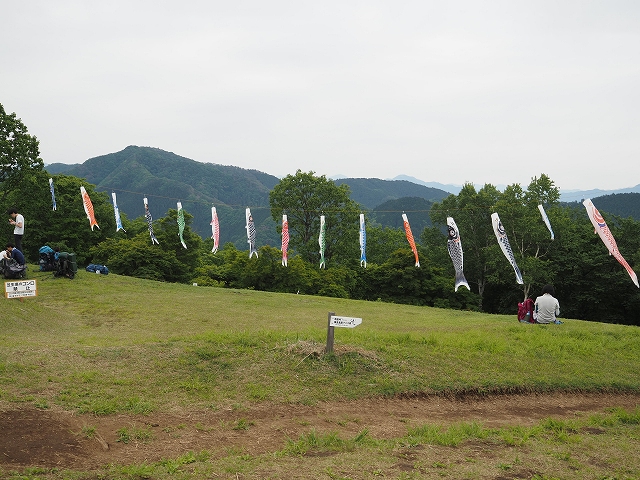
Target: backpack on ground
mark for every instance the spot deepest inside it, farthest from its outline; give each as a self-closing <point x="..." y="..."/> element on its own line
<point x="12" y="269"/>
<point x="47" y="259"/>
<point x="525" y="311"/>
<point x="95" y="268"/>
<point x="67" y="265"/>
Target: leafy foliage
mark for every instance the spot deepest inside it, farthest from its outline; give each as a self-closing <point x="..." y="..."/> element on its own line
<point x="621" y="204"/>
<point x="471" y="211"/>
<point x="19" y="153"/>
<point x="389" y="213"/>
<point x="371" y="192"/>
<point x="138" y="257"/>
<point x="66" y="227"/>
<point x="304" y="197"/>
<point x="589" y="283"/>
<point x="165" y="178"/>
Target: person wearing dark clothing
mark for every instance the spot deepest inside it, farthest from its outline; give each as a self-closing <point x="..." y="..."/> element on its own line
<point x="13" y="252"/>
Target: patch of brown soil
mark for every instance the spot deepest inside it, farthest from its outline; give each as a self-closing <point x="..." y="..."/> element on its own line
<point x="54" y="438"/>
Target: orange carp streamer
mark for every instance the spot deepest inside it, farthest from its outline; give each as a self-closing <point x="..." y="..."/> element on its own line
<point x="412" y="242"/>
<point x="88" y="208"/>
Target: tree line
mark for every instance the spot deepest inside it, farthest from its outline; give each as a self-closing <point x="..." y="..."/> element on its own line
<point x="589" y="283"/>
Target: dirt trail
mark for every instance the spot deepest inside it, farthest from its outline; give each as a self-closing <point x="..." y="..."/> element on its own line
<point x="55" y="438"/>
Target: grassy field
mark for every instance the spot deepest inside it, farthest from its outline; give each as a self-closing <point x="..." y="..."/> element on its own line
<point x="108" y="345"/>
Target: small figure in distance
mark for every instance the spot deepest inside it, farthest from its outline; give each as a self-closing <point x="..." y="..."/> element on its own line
<point x="547" y="307"/>
<point x="17" y="221"/>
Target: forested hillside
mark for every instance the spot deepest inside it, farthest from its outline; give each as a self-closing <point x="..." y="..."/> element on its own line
<point x="622" y="204"/>
<point x="54" y="168"/>
<point x="324" y="258"/>
<point x="389" y="213"/>
<point x="372" y="192"/>
<point x="166" y="178"/>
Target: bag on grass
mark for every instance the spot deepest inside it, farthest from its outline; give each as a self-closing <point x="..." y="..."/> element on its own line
<point x="95" y="268"/>
<point x="525" y="311"/>
<point x="13" y="269"/>
<point x="67" y="265"/>
<point x="47" y="259"/>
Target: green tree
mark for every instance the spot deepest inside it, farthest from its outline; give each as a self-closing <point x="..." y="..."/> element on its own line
<point x="528" y="235"/>
<point x="66" y="227"/>
<point x="304" y="197"/>
<point x="231" y="267"/>
<point x="19" y="153"/>
<point x="136" y="256"/>
<point x="382" y="241"/>
<point x="484" y="262"/>
<point x="472" y="211"/>
<point x="398" y="280"/>
<point x="590" y="283"/>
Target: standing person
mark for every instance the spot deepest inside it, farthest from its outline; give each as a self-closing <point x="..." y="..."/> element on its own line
<point x="547" y="307"/>
<point x="17" y="221"/>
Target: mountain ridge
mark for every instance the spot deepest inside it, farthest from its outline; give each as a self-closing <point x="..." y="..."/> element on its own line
<point x="570" y="195"/>
<point x="165" y="178"/>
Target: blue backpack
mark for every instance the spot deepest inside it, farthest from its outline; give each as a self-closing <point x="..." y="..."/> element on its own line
<point x="47" y="259"/>
<point x="92" y="267"/>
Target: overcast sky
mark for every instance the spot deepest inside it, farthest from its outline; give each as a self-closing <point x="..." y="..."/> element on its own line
<point x="445" y="91"/>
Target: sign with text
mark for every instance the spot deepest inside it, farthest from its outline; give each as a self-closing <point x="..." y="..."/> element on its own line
<point x="20" y="288"/>
<point x="349" y="322"/>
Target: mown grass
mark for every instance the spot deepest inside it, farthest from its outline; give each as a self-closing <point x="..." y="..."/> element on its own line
<point x="110" y="345"/>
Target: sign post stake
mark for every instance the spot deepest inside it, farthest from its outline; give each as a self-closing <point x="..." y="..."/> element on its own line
<point x="329" y="348"/>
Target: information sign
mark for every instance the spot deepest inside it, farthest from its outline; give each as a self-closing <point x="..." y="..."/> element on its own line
<point x="20" y="288"/>
<point x="348" y="322"/>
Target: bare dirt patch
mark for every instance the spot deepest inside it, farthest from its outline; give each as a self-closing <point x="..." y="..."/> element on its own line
<point x="55" y="438"/>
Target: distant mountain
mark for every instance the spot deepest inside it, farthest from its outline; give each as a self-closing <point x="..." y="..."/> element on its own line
<point x="622" y="204"/>
<point x="166" y="178"/>
<point x="371" y="192"/>
<point x="565" y="195"/>
<point x="579" y="195"/>
<point x="455" y="189"/>
<point x="55" y="168"/>
<point x="389" y="213"/>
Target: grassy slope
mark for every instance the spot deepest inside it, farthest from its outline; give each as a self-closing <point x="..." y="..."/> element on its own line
<point x="108" y="344"/>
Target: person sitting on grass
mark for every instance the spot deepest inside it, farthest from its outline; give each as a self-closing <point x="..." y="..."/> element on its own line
<point x="547" y="307"/>
<point x="14" y="253"/>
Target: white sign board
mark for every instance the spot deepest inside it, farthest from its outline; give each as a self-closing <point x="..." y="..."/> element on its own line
<point x="20" y="288"/>
<point x="349" y="322"/>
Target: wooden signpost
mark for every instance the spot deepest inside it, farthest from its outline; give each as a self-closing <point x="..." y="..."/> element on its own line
<point x="335" y="321"/>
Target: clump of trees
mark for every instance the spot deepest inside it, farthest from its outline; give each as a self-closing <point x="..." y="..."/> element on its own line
<point x="590" y="284"/>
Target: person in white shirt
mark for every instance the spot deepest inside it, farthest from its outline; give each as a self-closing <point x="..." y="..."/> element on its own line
<point x="17" y="221"/>
<point x="547" y="307"/>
